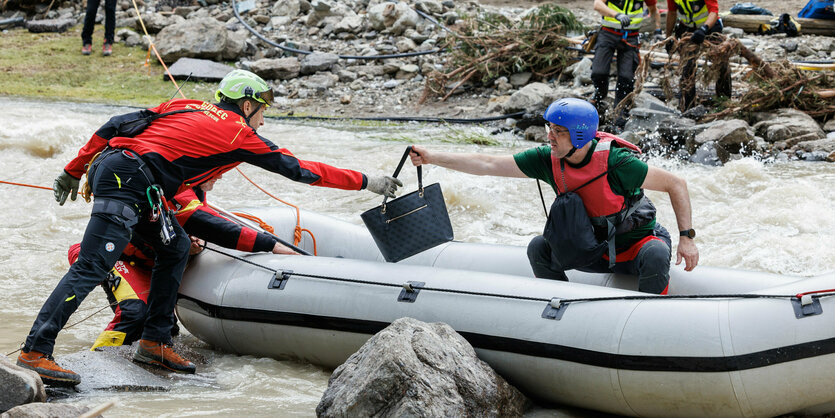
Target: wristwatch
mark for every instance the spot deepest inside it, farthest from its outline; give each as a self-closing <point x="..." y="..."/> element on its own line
<point x="689" y="233"/>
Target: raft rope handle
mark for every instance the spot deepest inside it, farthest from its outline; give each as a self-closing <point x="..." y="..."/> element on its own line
<point x="516" y="297"/>
<point x="806" y="297"/>
<point x="297" y="232"/>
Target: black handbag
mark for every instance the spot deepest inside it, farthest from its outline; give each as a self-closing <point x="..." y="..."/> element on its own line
<point x="411" y="223"/>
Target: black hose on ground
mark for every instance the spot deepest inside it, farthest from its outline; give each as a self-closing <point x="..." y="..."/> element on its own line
<point x="12" y="21"/>
<point x="298" y="51"/>
<point x="405" y="118"/>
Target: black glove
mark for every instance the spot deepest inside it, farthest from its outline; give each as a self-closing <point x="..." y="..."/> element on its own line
<point x="63" y="185"/>
<point x="699" y="35"/>
<point x="624" y="20"/>
<point x="669" y="46"/>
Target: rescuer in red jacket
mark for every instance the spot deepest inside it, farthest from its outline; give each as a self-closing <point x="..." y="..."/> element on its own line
<point x="131" y="174"/>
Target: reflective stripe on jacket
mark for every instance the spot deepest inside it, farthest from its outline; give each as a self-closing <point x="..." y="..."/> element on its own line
<point x="632" y="8"/>
<point x="692" y="13"/>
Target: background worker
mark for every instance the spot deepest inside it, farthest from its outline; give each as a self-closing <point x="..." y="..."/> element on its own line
<point x="603" y="171"/>
<point x="129" y="281"/>
<point x="699" y="18"/>
<point x="622" y="20"/>
<point x="90" y="22"/>
<point x="130" y="180"/>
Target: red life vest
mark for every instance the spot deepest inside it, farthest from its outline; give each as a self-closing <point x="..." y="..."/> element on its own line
<point x="598" y="197"/>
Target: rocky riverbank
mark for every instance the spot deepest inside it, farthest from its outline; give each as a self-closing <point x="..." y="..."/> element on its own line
<point x="338" y="78"/>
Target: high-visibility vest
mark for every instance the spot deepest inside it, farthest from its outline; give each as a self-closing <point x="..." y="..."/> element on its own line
<point x="692" y="13"/>
<point x="632" y="8"/>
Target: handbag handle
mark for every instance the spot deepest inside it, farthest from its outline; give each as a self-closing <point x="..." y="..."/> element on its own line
<point x="397" y="172"/>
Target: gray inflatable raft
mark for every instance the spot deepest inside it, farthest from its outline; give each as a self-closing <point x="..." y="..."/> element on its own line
<point x="592" y="342"/>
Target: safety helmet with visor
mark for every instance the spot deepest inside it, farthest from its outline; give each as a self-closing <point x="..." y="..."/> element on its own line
<point x="239" y="84"/>
<point x="578" y="116"/>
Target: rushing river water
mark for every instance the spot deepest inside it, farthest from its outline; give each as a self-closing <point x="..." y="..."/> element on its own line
<point x="750" y="215"/>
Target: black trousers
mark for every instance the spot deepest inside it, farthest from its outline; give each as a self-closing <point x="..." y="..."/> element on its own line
<point x="651" y="265"/>
<point x="687" y="82"/>
<point x="115" y="177"/>
<point x="607" y="44"/>
<point x="90" y="21"/>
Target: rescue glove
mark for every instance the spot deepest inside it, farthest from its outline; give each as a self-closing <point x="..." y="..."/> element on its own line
<point x="384" y="185"/>
<point x="669" y="46"/>
<point x="699" y="35"/>
<point x="63" y="185"/>
<point x="623" y="19"/>
<point x="658" y="35"/>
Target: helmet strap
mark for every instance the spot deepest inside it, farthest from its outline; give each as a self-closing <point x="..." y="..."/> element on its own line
<point x="247" y="117"/>
<point x="570" y="153"/>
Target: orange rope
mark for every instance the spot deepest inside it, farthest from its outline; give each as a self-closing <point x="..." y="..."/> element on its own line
<point x="297" y="232"/>
<point x="265" y="226"/>
<point x="171" y="76"/>
<point x="25" y="185"/>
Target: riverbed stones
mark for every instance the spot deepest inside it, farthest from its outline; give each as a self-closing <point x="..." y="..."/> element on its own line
<point x="20" y="386"/>
<point x="155" y="22"/>
<point x="416" y="369"/>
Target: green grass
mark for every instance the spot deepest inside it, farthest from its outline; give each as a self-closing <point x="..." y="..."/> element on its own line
<point x="50" y="66"/>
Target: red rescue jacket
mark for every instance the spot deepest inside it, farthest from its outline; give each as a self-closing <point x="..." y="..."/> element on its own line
<point x="185" y="149"/>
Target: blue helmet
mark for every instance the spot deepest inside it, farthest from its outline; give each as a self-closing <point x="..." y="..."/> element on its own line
<point x="578" y="116"/>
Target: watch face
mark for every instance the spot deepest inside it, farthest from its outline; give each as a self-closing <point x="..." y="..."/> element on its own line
<point x="690" y="233"/>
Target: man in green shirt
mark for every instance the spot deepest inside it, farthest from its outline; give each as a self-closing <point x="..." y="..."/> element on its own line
<point x="603" y="170"/>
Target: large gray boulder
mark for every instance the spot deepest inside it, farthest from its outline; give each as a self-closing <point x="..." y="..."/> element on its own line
<point x="49" y="25"/>
<point x="179" y="40"/>
<point x="20" y="386"/>
<point x="277" y="69"/>
<point x="785" y="125"/>
<point x="198" y="69"/>
<point x="530" y="97"/>
<point x="318" y="61"/>
<point x="416" y="369"/>
<point x="110" y="369"/>
<point x="46" y="410"/>
<point x="733" y="135"/>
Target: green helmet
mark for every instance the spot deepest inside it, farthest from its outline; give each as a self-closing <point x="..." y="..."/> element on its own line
<point x="241" y="83"/>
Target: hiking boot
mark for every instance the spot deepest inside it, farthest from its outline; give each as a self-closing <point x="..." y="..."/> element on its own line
<point x="159" y="354"/>
<point x="106" y="50"/>
<point x="87" y="49"/>
<point x="50" y="372"/>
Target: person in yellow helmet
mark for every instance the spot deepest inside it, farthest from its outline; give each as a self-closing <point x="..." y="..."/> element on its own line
<point x="699" y="18"/>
